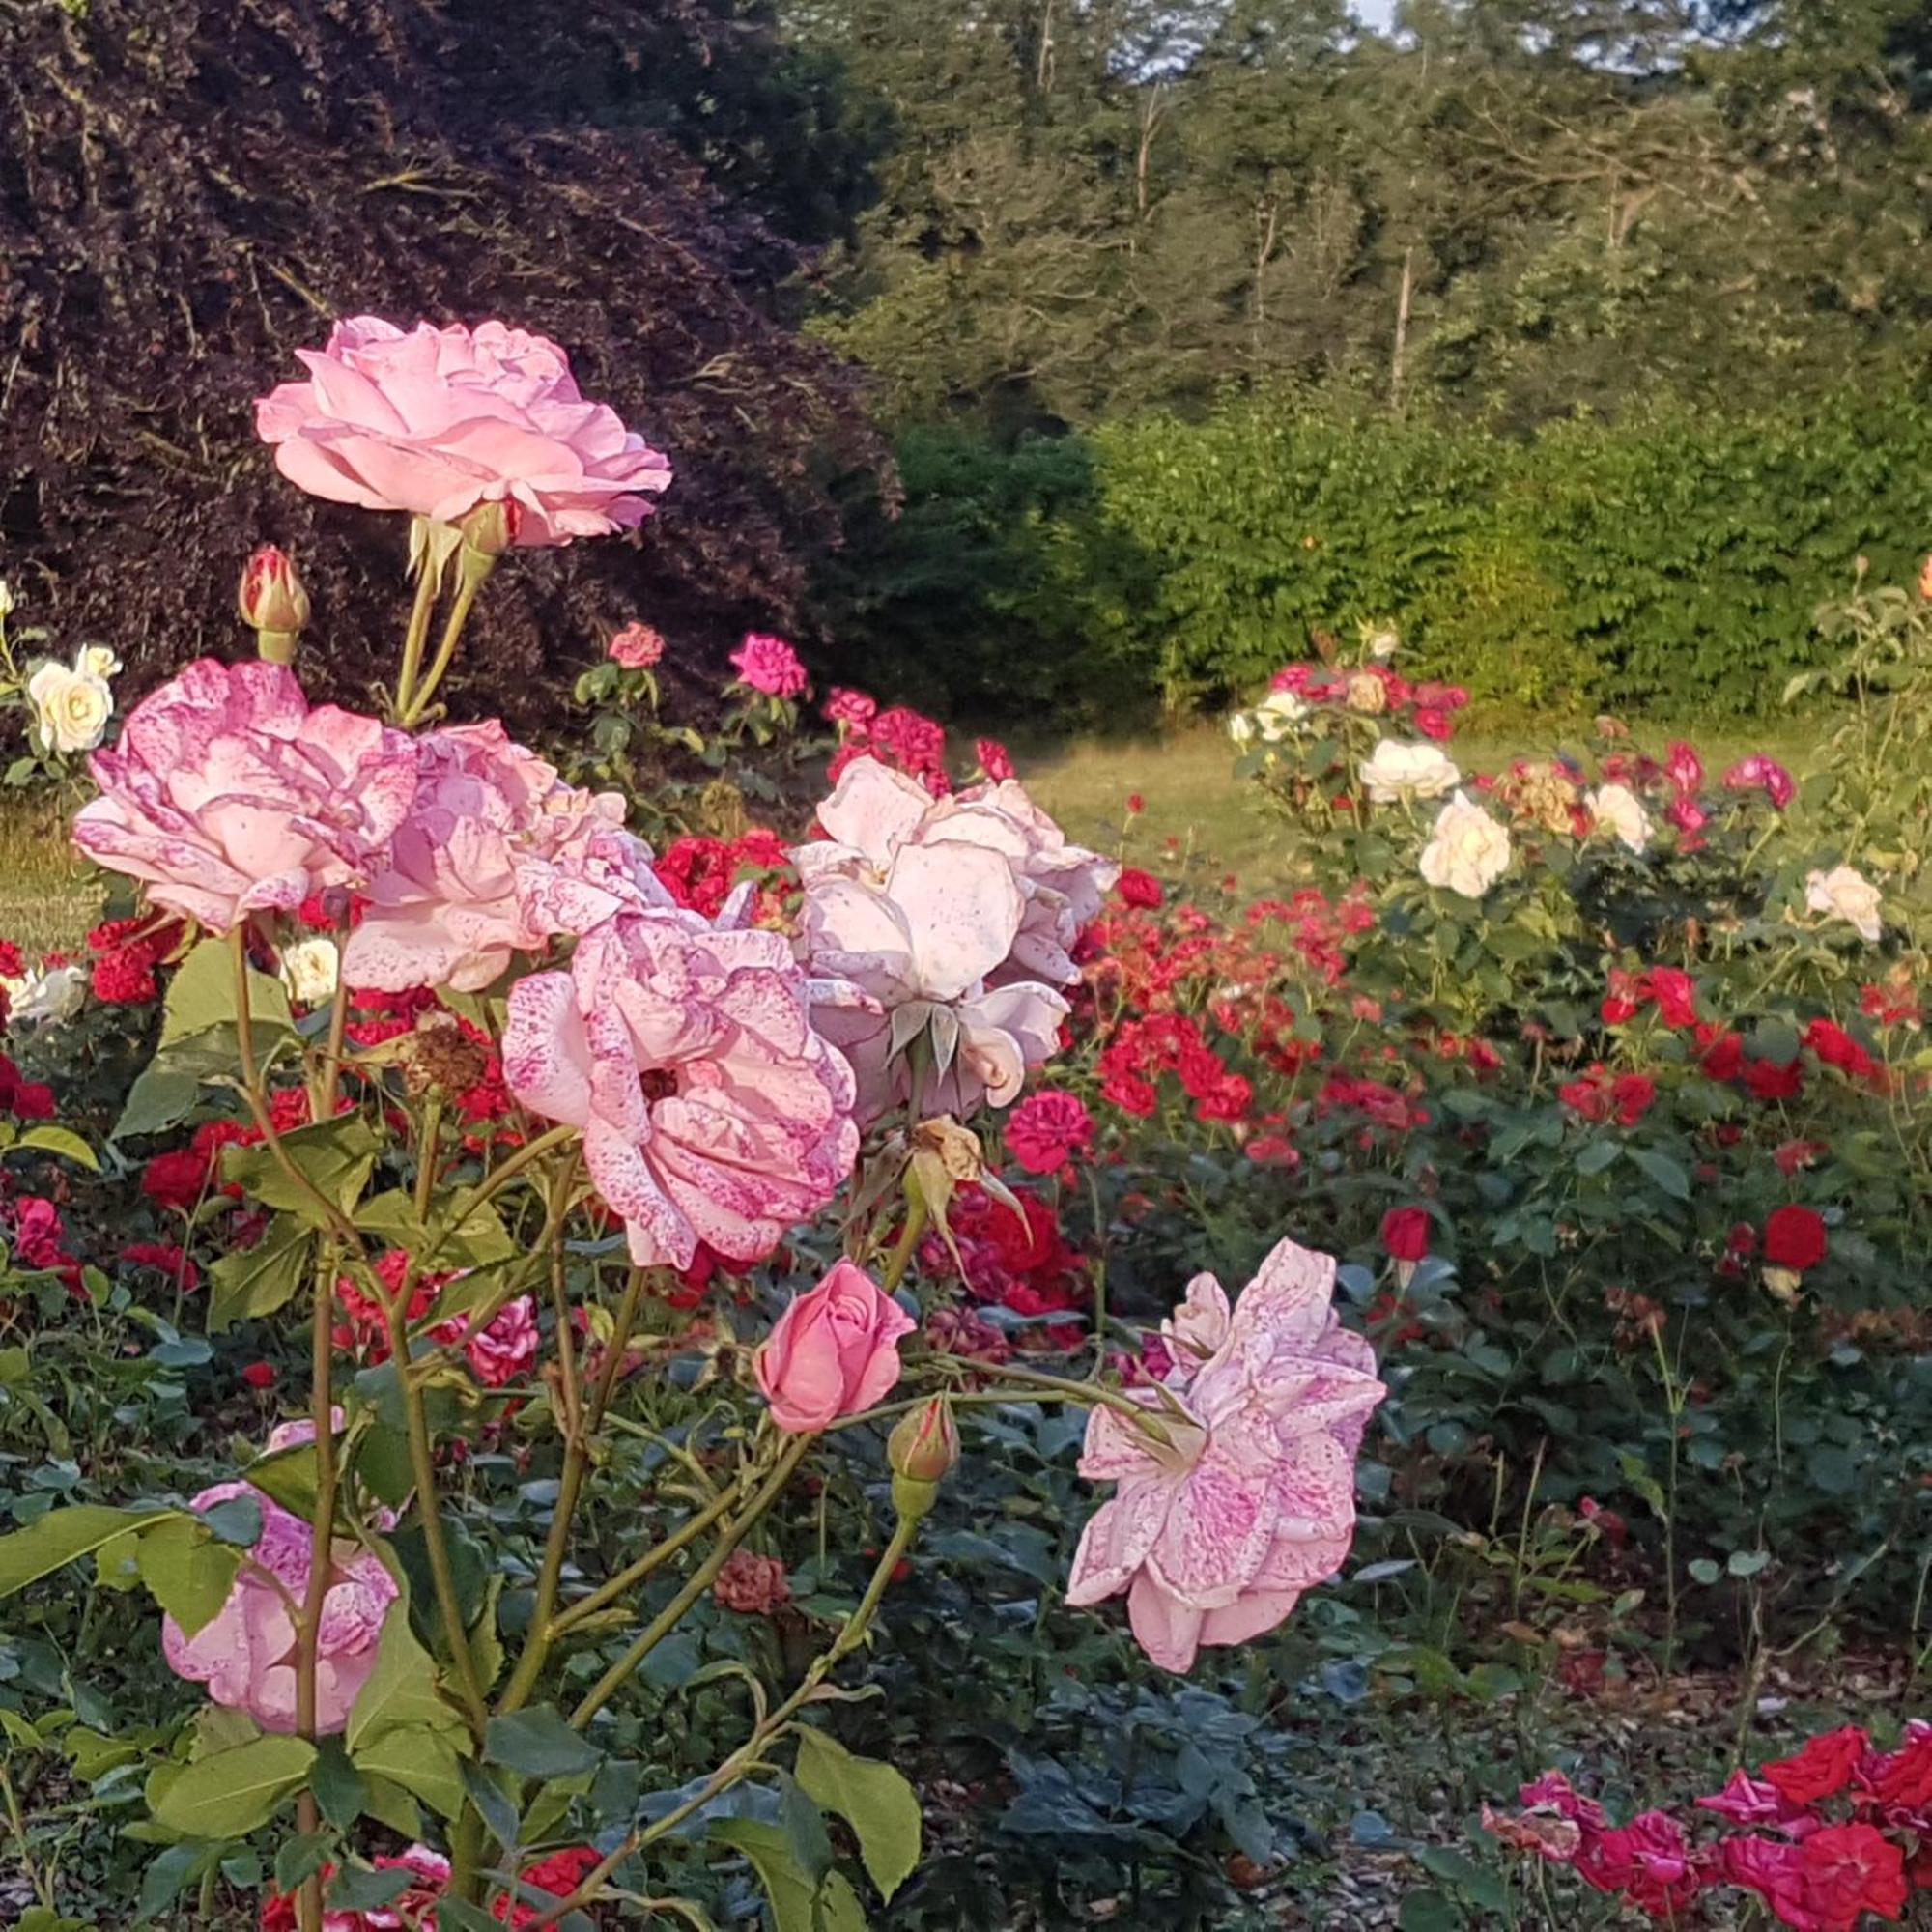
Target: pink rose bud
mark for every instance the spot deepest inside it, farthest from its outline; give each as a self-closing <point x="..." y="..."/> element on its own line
<point x="272" y="603"/>
<point x="834" y="1351"/>
<point x="922" y="1450"/>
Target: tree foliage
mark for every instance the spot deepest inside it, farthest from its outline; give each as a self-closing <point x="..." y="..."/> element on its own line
<point x="191" y="190"/>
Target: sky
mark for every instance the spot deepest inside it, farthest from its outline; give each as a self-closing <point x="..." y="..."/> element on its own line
<point x="1376" y="12"/>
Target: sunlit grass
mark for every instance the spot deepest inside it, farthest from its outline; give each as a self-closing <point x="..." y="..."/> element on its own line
<point x="49" y="894"/>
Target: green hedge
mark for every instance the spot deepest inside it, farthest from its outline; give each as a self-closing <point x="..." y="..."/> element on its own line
<point x="1669" y="563"/>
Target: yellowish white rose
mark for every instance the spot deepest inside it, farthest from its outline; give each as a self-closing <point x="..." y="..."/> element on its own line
<point x="311" y="970"/>
<point x="1278" y="714"/>
<point x="48" y="994"/>
<point x="1241" y="728"/>
<point x="1468" y="852"/>
<point x="1397" y="770"/>
<point x="1846" y="894"/>
<point x="71" y="707"/>
<point x="1367" y="693"/>
<point x="1616" y="808"/>
<point x="97" y="661"/>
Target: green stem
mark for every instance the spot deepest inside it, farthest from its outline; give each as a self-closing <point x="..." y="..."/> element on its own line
<point x="413" y="639"/>
<point x="492" y="1183"/>
<point x="701" y="1579"/>
<point x="472" y="568"/>
<point x="908" y="1244"/>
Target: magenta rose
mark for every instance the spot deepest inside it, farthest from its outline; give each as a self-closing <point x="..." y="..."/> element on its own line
<point x="227" y="794"/>
<point x="711" y="1110"/>
<point x="464" y="887"/>
<point x="769" y="664"/>
<point x="246" y="1653"/>
<point x="1216" y="1532"/>
<point x="833" y="1352"/>
<point x="436" y="421"/>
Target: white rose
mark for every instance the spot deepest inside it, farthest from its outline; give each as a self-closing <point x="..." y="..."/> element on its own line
<point x="1278" y="713"/>
<point x="311" y="970"/>
<point x="97" y="661"/>
<point x="1617" y="808"/>
<point x="1469" y="851"/>
<point x="1241" y="728"/>
<point x="49" y="993"/>
<point x="1397" y="771"/>
<point x="6" y="600"/>
<point x="1848" y="894"/>
<point x="71" y="708"/>
<point x="1384" y="643"/>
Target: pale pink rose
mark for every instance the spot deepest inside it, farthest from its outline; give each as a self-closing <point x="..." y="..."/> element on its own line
<point x="636" y="648"/>
<point x="1216" y="1534"/>
<point x="833" y="1352"/>
<point x="228" y="795"/>
<point x="875" y="813"/>
<point x="460" y="891"/>
<point x="436" y="421"/>
<point x="246" y="1654"/>
<point x="711" y="1110"/>
<point x="1759" y="773"/>
<point x="919" y="945"/>
<point x="769" y="664"/>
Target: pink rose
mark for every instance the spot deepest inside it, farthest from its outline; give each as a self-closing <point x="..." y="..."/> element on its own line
<point x="769" y="664"/>
<point x="833" y="1352"/>
<point x="462" y="888"/>
<point x="1215" y="1533"/>
<point x="995" y="760"/>
<point x="711" y="1110"/>
<point x="852" y="709"/>
<point x="504" y="1349"/>
<point x="1759" y="773"/>
<point x="636" y="648"/>
<point x="246" y="1653"/>
<point x="1048" y="1129"/>
<point x="436" y="421"/>
<point x="1683" y="767"/>
<point x="227" y="795"/>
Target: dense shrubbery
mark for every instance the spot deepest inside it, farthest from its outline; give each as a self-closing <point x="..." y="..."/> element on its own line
<point x="1666" y="560"/>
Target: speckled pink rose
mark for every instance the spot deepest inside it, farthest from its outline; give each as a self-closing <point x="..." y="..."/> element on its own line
<point x="462" y="889"/>
<point x="436" y="421"/>
<point x="228" y="795"/>
<point x="711" y="1110"/>
<point x="246" y="1654"/>
<point x="833" y="1352"/>
<point x="1216" y="1534"/>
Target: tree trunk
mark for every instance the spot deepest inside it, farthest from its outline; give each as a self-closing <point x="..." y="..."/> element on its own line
<point x="1403" y="299"/>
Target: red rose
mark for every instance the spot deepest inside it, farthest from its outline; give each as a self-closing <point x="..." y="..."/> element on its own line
<point x="1794" y="1237"/>
<point x="1048" y="1129"/>
<point x="1825" y="1766"/>
<point x="1140" y="889"/>
<point x="32" y="1101"/>
<point x="1406" y="1234"/>
<point x="1675" y="994"/>
<point x="175" y="1179"/>
<point x="259" y="1375"/>
<point x="1774" y="1080"/>
<point x="1723" y="1058"/>
<point x="1848" y="1870"/>
<point x="1904" y="1777"/>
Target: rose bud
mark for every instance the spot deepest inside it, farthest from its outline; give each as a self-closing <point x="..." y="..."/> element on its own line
<point x="491" y="528"/>
<point x="272" y="603"/>
<point x="922" y="1449"/>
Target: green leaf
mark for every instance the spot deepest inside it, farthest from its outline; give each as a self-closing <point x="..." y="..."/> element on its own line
<point x="422" y="1759"/>
<point x="201" y="996"/>
<point x="875" y="1799"/>
<point x="64" y="1534"/>
<point x="400" y="1691"/>
<point x="287" y="1477"/>
<point x="168" y="1875"/>
<point x="228" y="1795"/>
<point x="299" y="1857"/>
<point x="340" y="1789"/>
<point x="1666" y="1172"/>
<point x="1429" y="1912"/>
<point x="63" y="1141"/>
<point x="797" y="1905"/>
<point x="334" y="1157"/>
<point x="259" y="1280"/>
<point x="539" y="1744"/>
<point x="391" y="1805"/>
<point x="482" y="1238"/>
<point x="162" y="1098"/>
<point x="188" y="1572"/>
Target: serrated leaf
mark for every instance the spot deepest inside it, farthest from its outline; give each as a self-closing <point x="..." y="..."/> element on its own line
<point x="797" y="1905"/>
<point x="188" y="1573"/>
<point x="873" y="1798"/>
<point x="62" y="1535"/>
<point x="422" y="1760"/>
<point x="201" y="996"/>
<point x="259" y="1280"/>
<point x="232" y="1793"/>
<point x="400" y="1691"/>
<point x="538" y="1742"/>
<point x="162" y="1098"/>
<point x="334" y="1157"/>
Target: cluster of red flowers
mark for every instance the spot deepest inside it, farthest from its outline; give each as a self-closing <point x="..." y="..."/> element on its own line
<point x="1668" y="988"/>
<point x="183" y="1178"/>
<point x="1892" y="1001"/>
<point x="700" y="872"/>
<point x="1601" y="1095"/>
<point x="484" y="1107"/>
<point x="1018" y="1262"/>
<point x="24" y="1099"/>
<point x="557" y="1876"/>
<point x="1815" y="1870"/>
<point x="125" y="952"/>
<point x="901" y="737"/>
<point x="1429" y="707"/>
<point x="1141" y="1050"/>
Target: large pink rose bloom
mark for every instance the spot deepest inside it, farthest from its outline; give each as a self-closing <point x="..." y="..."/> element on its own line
<point x="246" y="1655"/>
<point x="833" y="1352"/>
<point x="876" y="812"/>
<point x="228" y="795"/>
<point x="1216" y="1536"/>
<point x="464" y="888"/>
<point x="437" y="420"/>
<point x="711" y="1111"/>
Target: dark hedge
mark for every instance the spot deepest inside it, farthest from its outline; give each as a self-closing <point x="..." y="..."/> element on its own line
<point x="191" y="190"/>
